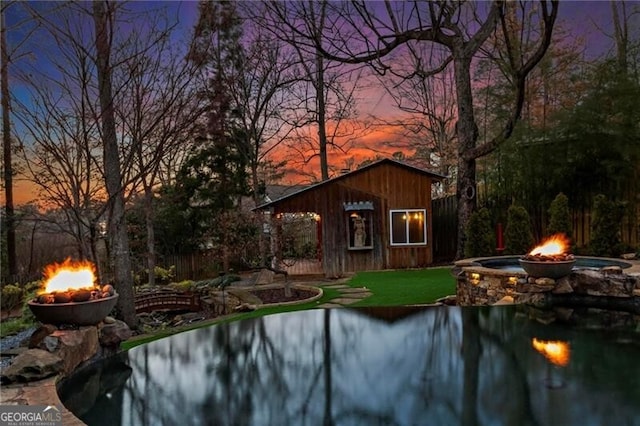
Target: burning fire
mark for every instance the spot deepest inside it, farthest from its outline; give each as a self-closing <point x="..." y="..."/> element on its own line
<point x="554" y="245"/>
<point x="555" y="351"/>
<point x="69" y="275"/>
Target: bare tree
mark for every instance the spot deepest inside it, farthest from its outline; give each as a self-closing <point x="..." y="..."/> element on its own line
<point x="120" y="257"/>
<point x="8" y="55"/>
<point x="7" y="151"/>
<point x="430" y="102"/>
<point x="327" y="90"/>
<point x="60" y="137"/>
<point x="156" y="110"/>
<point x="377" y="33"/>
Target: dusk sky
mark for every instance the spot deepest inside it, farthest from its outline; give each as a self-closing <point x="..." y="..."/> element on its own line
<point x="588" y="19"/>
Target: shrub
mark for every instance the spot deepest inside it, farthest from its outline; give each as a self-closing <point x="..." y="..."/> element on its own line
<point x="183" y="286"/>
<point x="605" y="227"/>
<point x="163" y="276"/>
<point x="518" y="234"/>
<point x="480" y="236"/>
<point x="11" y="297"/>
<point x="559" y="216"/>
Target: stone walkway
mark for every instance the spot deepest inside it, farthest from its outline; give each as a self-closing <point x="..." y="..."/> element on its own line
<point x="348" y="295"/>
<point x="43" y="392"/>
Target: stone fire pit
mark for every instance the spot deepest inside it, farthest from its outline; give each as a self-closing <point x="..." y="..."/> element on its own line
<point x="90" y="312"/>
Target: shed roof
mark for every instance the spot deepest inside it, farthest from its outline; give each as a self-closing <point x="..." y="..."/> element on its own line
<point x="344" y="176"/>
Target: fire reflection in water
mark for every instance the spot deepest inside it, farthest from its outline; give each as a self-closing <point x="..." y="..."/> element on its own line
<point x="556" y="352"/>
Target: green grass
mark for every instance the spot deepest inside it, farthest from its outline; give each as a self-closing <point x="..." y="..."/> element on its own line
<point x="14" y="326"/>
<point x="405" y="287"/>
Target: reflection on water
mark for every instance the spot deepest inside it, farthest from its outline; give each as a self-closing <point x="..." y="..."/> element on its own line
<point x="438" y="366"/>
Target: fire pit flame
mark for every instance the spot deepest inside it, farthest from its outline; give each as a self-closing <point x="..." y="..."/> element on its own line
<point x="551" y="259"/>
<point x="555" y="245"/>
<point x="69" y="275"/>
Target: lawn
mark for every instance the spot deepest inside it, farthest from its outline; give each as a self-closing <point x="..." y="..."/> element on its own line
<point x="405" y="287"/>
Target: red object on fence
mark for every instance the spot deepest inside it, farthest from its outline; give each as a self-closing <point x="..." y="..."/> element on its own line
<point x="499" y="238"/>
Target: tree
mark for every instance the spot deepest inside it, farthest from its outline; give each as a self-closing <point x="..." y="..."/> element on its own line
<point x="117" y="224"/>
<point x="518" y="236"/>
<point x="560" y="216"/>
<point x="325" y="90"/>
<point x="60" y="137"/>
<point x="605" y="227"/>
<point x="156" y="107"/>
<point x="215" y="176"/>
<point x="7" y="149"/>
<point x="372" y="33"/>
<point x="481" y="236"/>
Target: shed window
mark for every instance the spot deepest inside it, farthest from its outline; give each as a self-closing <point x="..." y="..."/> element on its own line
<point x="408" y="227"/>
<point x="360" y="230"/>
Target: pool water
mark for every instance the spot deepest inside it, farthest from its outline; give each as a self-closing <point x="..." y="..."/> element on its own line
<point x="375" y="366"/>
<point x="511" y="263"/>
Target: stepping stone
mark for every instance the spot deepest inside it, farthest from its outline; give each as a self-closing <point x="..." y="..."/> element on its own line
<point x="354" y="290"/>
<point x="336" y="286"/>
<point x="356" y="295"/>
<point x="329" y="305"/>
<point x="345" y="301"/>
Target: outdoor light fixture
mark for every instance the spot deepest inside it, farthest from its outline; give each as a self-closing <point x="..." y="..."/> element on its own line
<point x="475" y="278"/>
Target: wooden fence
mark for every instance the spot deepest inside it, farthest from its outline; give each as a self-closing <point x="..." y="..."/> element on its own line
<point x="444" y="211"/>
<point x="445" y="228"/>
<point x="192" y="266"/>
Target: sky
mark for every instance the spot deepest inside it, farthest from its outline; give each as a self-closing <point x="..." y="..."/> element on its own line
<point x="588" y="19"/>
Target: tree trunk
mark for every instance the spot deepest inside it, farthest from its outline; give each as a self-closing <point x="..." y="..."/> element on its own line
<point x="322" y="119"/>
<point x="8" y="167"/>
<point x="260" y="217"/>
<point x="123" y="279"/>
<point x="467" y="133"/>
<point x="151" y="239"/>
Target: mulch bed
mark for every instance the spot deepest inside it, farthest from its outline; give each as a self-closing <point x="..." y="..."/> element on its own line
<point x="276" y="295"/>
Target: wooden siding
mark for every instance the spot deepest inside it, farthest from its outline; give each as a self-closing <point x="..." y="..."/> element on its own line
<point x="389" y="186"/>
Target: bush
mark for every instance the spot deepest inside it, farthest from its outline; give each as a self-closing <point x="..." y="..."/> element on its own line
<point x="11" y="297"/>
<point x="480" y="236"/>
<point x="163" y="276"/>
<point x="560" y="217"/>
<point x="183" y="286"/>
<point x="518" y="234"/>
<point x="605" y="227"/>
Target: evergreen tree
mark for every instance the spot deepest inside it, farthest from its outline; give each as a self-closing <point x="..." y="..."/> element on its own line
<point x="518" y="234"/>
<point x="559" y="216"/>
<point x="214" y="178"/>
<point x="605" y="227"/>
<point x="480" y="235"/>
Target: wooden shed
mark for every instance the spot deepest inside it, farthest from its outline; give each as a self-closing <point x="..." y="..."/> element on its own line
<point x="376" y="217"/>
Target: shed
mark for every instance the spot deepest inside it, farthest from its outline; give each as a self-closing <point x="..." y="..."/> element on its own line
<point x="376" y="217"/>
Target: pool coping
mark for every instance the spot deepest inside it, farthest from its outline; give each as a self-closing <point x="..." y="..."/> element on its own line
<point x="472" y="265"/>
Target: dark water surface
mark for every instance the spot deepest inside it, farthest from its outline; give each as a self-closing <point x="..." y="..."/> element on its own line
<point x="511" y="263"/>
<point x="383" y="366"/>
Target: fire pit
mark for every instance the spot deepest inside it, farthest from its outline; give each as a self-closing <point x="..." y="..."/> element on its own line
<point x="77" y="313"/>
<point x="550" y="259"/>
<point x="71" y="296"/>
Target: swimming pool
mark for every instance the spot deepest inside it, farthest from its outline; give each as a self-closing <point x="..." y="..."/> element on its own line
<point x="386" y="366"/>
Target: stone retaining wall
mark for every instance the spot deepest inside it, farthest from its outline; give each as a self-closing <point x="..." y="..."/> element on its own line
<point x="610" y="286"/>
